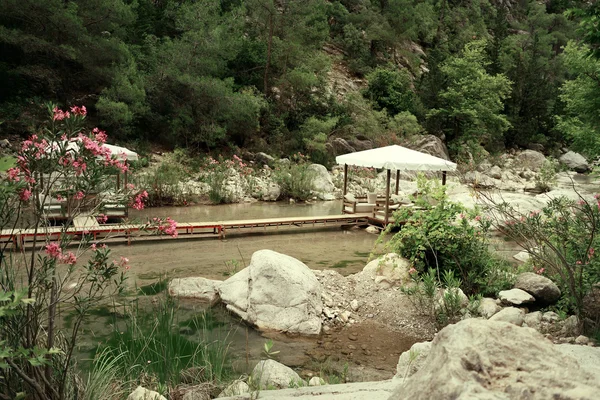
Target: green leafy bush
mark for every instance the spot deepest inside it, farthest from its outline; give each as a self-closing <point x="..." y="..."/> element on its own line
<point x="439" y="234"/>
<point x="218" y="171"/>
<point x="295" y="178"/>
<point x="163" y="182"/>
<point x="561" y="239"/>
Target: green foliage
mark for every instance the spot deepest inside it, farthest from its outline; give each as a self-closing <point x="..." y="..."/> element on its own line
<point x="472" y="101"/>
<point x="148" y="349"/>
<point x="216" y="173"/>
<point x="295" y="178"/>
<point x="392" y="90"/>
<point x="581" y="96"/>
<point x="315" y="132"/>
<point x="546" y="177"/>
<point x="562" y="239"/>
<point x="441" y="235"/>
<point x="163" y="182"/>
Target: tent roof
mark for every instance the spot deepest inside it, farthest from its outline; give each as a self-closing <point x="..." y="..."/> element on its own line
<point x="396" y="158"/>
<point x="122" y="152"/>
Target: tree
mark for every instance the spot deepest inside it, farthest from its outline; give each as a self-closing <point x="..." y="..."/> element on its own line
<point x="473" y="100"/>
<point x="581" y="96"/>
<point x="392" y="89"/>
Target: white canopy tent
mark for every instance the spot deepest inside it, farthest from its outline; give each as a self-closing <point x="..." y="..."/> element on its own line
<point x="394" y="158"/>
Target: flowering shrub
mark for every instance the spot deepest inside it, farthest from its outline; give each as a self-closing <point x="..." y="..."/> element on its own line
<point x="295" y="178"/>
<point x="447" y="237"/>
<point x="66" y="162"/>
<point x="561" y="239"/>
<point x="218" y="171"/>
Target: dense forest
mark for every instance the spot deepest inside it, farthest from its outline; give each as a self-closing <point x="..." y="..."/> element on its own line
<point x="291" y="75"/>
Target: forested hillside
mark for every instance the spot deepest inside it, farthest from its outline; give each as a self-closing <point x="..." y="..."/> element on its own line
<point x="283" y="75"/>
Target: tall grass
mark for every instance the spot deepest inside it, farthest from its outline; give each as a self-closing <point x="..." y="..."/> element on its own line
<point x="104" y="381"/>
<point x="149" y="349"/>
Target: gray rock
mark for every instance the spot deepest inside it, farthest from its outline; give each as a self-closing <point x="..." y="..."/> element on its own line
<point x="512" y="315"/>
<point x="412" y="360"/>
<point x="575" y="161"/>
<point x="361" y="145"/>
<point x="322" y="182"/>
<point x="387" y="270"/>
<point x="199" y="392"/>
<point x="550" y="316"/>
<point x="488" y="307"/>
<point x="263" y="159"/>
<point x="141" y="393"/>
<point x="515" y="297"/>
<point x="4" y="143"/>
<point x="379" y="390"/>
<point x="316" y="381"/>
<point x="479" y="180"/>
<point x="591" y="303"/>
<point x="483" y="359"/>
<point x="522" y="256"/>
<point x="276" y="292"/>
<point x="238" y="387"/>
<point x="582" y="340"/>
<point x="429" y="144"/>
<point x="571" y="326"/>
<point x="531" y="159"/>
<point x="271" y="374"/>
<point x="587" y="357"/>
<point x="495" y="172"/>
<point x="341" y="146"/>
<point x="196" y="288"/>
<point x="543" y="289"/>
<point x="534" y="320"/>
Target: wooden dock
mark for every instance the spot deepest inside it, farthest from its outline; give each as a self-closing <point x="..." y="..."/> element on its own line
<point x="87" y="225"/>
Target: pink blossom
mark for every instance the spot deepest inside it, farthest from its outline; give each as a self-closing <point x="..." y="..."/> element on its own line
<point x="59" y="114"/>
<point x="79" y="110"/>
<point x="534" y="213"/>
<point x="25" y="194"/>
<point x="138" y="201"/>
<point x="79" y="195"/>
<point x="13" y="174"/>
<point x="124" y="262"/>
<point x="540" y="271"/>
<point x="591" y="252"/>
<point x="578" y="262"/>
<point x="412" y="270"/>
<point x="53" y="250"/>
<point x="130" y="186"/>
<point x="102" y="218"/>
<point x="478" y="218"/>
<point x="68" y="258"/>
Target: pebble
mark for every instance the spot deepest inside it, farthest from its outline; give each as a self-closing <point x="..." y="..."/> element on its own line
<point x="351" y="347"/>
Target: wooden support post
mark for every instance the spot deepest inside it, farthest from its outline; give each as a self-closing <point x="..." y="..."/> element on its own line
<point x="444" y="177"/>
<point x="118" y="181"/>
<point x="345" y="185"/>
<point x="387" y="197"/>
<point x="397" y="180"/>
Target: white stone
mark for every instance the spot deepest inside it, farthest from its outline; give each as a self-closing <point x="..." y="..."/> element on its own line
<point x="533" y="320"/>
<point x="322" y="182"/>
<point x="482" y="359"/>
<point x="276" y="292"/>
<point x="372" y="229"/>
<point x="316" y="381"/>
<point x="575" y="161"/>
<point x="515" y="297"/>
<point x="488" y="307"/>
<point x="411" y="361"/>
<point x="511" y="315"/>
<point x="271" y="374"/>
<point x="141" y="393"/>
<point x="522" y="256"/>
<point x="195" y="287"/>
<point x="582" y="340"/>
<point x="531" y="159"/>
<point x="550" y="316"/>
<point x="354" y="305"/>
<point x="587" y="357"/>
<point x="387" y="271"/>
<point x="238" y="387"/>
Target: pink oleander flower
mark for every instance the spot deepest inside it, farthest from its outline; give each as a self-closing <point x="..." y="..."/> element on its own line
<point x="138" y="201"/>
<point x="102" y="218"/>
<point x="79" y="110"/>
<point x="540" y="271"/>
<point x="591" y="252"/>
<point x="578" y="262"/>
<point x="478" y="218"/>
<point x="130" y="186"/>
<point x="25" y="194"/>
<point x="13" y="174"/>
<point x="124" y="262"/>
<point x="68" y="258"/>
<point x="79" y="195"/>
<point x="412" y="270"/>
<point x="53" y="250"/>
<point x="59" y="114"/>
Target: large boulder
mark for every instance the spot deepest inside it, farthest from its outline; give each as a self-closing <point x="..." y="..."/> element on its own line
<point x="269" y="374"/>
<point x="429" y="144"/>
<point x="361" y="145"/>
<point x="412" y="360"/>
<point x="275" y="292"/>
<point x="340" y="146"/>
<point x="481" y="359"/>
<point x="543" y="289"/>
<point x="388" y="270"/>
<point x="531" y="159"/>
<point x="196" y="288"/>
<point x="322" y="182"/>
<point x="591" y="304"/>
<point x="575" y="161"/>
<point x="141" y="393"/>
<point x="263" y="159"/>
<point x="515" y="297"/>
